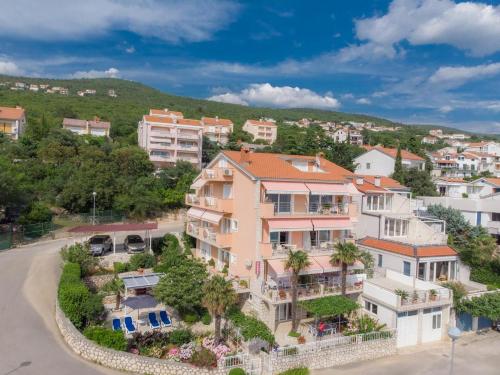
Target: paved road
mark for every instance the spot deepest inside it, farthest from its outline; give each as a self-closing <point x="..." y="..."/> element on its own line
<point x="474" y="355"/>
<point x="30" y="343"/>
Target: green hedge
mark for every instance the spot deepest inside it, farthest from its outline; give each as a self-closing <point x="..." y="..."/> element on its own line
<point x="251" y="327"/>
<point x="71" y="273"/>
<point x="106" y="337"/>
<point x="296" y="371"/>
<point x="143" y="260"/>
<point x="237" y="371"/>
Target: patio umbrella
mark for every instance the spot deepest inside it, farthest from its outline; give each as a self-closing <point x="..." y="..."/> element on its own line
<point x="140" y="302"/>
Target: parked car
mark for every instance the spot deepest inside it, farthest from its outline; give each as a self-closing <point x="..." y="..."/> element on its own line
<point x="100" y="244"/>
<point x="134" y="244"/>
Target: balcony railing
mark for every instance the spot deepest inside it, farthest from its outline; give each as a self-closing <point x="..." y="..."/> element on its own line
<point x="424" y="297"/>
<point x="211" y="203"/>
<point x="218" y="174"/>
<point x="187" y="135"/>
<point x="274" y="250"/>
<point x="209" y="235"/>
<point x="287" y="208"/>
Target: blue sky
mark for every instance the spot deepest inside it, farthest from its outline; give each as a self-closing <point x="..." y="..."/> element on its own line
<point x="415" y="61"/>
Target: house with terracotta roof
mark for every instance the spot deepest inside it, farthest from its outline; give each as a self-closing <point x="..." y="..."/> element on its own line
<point x="430" y="139"/>
<point x="168" y="137"/>
<point x="217" y="129"/>
<point x="261" y="129"/>
<point x="95" y="127"/>
<point x="378" y="160"/>
<point x="486" y="147"/>
<point x="248" y="210"/>
<point x="12" y="121"/>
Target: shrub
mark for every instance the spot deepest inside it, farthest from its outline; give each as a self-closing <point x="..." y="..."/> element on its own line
<point x="143" y="260"/>
<point x="106" y="337"/>
<point x="237" y="371"/>
<point x="296" y="371"/>
<point x="71" y="273"/>
<point x="120" y="267"/>
<point x="80" y="254"/>
<point x="180" y="336"/>
<point x="148" y="339"/>
<point x="78" y="304"/>
<point x="204" y="358"/>
<point x="190" y="317"/>
<point x="211" y="262"/>
<point x="250" y="327"/>
<point x="206" y="318"/>
<point x="293" y="334"/>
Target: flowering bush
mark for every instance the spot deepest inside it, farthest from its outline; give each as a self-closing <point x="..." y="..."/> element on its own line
<point x="186" y="351"/>
<point x="208" y="343"/>
<point x="220" y="350"/>
<point x="174" y="354"/>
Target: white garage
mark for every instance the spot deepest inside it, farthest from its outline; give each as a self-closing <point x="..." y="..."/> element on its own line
<point x="407" y="325"/>
<point x="431" y="324"/>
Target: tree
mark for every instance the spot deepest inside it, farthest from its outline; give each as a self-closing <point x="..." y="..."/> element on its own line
<point x="399" y="172"/>
<point x="487" y="305"/>
<point x="297" y="261"/>
<point x="116" y="286"/>
<point x="218" y="296"/>
<point x="182" y="286"/>
<point x="346" y="253"/>
<point x="420" y="182"/>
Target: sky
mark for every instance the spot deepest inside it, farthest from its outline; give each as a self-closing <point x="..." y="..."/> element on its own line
<point x="413" y="61"/>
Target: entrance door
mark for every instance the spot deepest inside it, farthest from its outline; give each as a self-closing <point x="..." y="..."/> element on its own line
<point x="284" y="312"/>
<point x="431" y="325"/>
<point x="407" y="325"/>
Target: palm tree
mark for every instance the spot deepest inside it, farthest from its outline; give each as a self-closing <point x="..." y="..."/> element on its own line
<point x="116" y="286"/>
<point x="345" y="253"/>
<point x="297" y="261"/>
<point x="219" y="295"/>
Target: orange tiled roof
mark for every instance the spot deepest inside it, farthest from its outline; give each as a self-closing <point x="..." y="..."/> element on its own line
<point x="451" y="179"/>
<point x="277" y="166"/>
<point x="493" y="181"/>
<point x="408" y="250"/>
<point x="368" y="187"/>
<point x="9" y="113"/>
<point x="165" y="113"/>
<point x="258" y="122"/>
<point x="168" y="120"/>
<point x="186" y="121"/>
<point x="385" y="182"/>
<point x="216" y="121"/>
<point x="392" y="152"/>
<point x="479" y="144"/>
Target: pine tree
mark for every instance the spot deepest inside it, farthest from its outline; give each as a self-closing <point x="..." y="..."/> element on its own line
<point x="399" y="173"/>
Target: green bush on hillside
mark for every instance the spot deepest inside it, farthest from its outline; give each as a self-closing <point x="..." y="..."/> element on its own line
<point x="143" y="260"/>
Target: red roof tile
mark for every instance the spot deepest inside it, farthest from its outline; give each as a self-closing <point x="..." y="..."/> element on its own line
<point x="392" y="152"/>
<point x="9" y="113"/>
<point x="408" y="250"/>
<point x="385" y="182"/>
<point x="258" y="122"/>
<point x="216" y="121"/>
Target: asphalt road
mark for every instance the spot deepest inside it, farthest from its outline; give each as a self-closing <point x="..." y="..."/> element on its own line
<point x="30" y="343"/>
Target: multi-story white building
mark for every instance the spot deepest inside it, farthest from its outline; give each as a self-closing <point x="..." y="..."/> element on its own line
<point x="449" y="163"/>
<point x="260" y="129"/>
<point x="12" y="121"/>
<point x="96" y="127"/>
<point x="484" y="147"/>
<point x="217" y="129"/>
<point x="380" y="161"/>
<point x="168" y="137"/>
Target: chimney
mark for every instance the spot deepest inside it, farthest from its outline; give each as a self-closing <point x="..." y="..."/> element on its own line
<point x="216" y="118"/>
<point x="377" y="180"/>
<point x="359" y="180"/>
<point x="318" y="158"/>
<point x="244" y="155"/>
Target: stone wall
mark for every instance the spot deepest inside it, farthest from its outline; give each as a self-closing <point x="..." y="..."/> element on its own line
<point x="98" y="281"/>
<point x="121" y="360"/>
<point x="330" y="357"/>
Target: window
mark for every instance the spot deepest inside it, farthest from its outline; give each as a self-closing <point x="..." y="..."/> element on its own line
<point x="380" y="260"/>
<point x="282" y="202"/>
<point x="436" y="321"/>
<point x="222" y="163"/>
<point x="234" y="225"/>
<point x="495" y="216"/>
<point x="407" y="268"/>
<point x="278" y="238"/>
<point x="421" y="271"/>
<point x="371" y="307"/>
<point x="395" y="227"/>
<point x="368" y="165"/>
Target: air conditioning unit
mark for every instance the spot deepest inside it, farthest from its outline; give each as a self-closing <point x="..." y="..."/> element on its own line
<point x="228" y="172"/>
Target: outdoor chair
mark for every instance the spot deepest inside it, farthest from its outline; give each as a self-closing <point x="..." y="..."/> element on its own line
<point x="117" y="325"/>
<point x="165" y="319"/>
<point x="129" y="325"/>
<point x="153" y="321"/>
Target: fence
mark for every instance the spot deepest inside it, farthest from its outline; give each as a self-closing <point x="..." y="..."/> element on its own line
<point x="19" y="234"/>
<point x="5" y="240"/>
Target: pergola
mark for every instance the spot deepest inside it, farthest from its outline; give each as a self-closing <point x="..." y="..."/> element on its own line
<point x="115" y="228"/>
<point x="133" y="282"/>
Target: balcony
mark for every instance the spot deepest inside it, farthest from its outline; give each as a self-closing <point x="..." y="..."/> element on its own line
<point x="276" y="251"/>
<point x="218" y="174"/>
<point x="162" y="158"/>
<point x="209" y="235"/>
<point x="210" y="203"/>
<point x="182" y="135"/>
<point x="190" y="148"/>
<point x="271" y="210"/>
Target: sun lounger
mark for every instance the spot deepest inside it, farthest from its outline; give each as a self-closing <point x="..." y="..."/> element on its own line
<point x="165" y="319"/>
<point x="129" y="325"/>
<point x="117" y="325"/>
<point x="153" y="322"/>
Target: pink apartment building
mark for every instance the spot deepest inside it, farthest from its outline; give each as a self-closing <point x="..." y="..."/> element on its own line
<point x="217" y="129"/>
<point x="168" y="137"/>
<point x="249" y="209"/>
<point x="259" y="129"/>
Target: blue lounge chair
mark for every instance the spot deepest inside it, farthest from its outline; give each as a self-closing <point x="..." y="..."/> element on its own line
<point x="117" y="325"/>
<point x="165" y="319"/>
<point x="153" y="322"/>
<point x="129" y="325"/>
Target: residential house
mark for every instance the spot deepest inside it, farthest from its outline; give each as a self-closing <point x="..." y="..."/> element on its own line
<point x="429" y="139"/>
<point x="485" y="147"/>
<point x="355" y="138"/>
<point x="263" y="130"/>
<point x="249" y="209"/>
<point x="34" y="88"/>
<point x="378" y="160"/>
<point x="95" y="127"/>
<point x="112" y="93"/>
<point x="168" y="137"/>
<point x="340" y="135"/>
<point x="12" y="121"/>
<point x="217" y="129"/>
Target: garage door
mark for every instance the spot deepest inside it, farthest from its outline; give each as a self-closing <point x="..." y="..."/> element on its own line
<point x="431" y="325"/>
<point x="407" y="328"/>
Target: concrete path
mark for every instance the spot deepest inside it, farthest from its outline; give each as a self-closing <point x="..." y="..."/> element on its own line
<point x="30" y="343"/>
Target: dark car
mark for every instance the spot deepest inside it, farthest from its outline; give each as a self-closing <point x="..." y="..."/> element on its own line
<point x="134" y="244"/>
<point x="100" y="244"/>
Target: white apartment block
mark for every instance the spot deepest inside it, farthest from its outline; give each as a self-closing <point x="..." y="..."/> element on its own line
<point x="217" y="129"/>
<point x="12" y="121"/>
<point x="260" y="129"/>
<point x="380" y="161"/>
<point x="168" y="137"/>
<point x="96" y="127"/>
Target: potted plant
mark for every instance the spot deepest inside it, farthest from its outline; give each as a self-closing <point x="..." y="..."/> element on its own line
<point x="433" y="294"/>
<point x="243" y="284"/>
<point x="211" y="262"/>
<point x="414" y="296"/>
<point x="403" y="294"/>
<point x="301" y="340"/>
<point x="282" y="294"/>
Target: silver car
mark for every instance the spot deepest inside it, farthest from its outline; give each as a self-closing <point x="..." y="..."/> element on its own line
<point x="134" y="244"/>
<point x="100" y="244"/>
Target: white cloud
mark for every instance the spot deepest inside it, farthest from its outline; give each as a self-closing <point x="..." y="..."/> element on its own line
<point x="364" y="101"/>
<point x="9" y="68"/>
<point x="110" y="73"/>
<point x="446" y="109"/>
<point x="473" y="27"/>
<point x="264" y="94"/>
<point x="170" y="20"/>
<point x="130" y="49"/>
<point x="450" y="76"/>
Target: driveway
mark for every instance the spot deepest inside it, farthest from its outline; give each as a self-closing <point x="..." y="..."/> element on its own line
<point x="30" y="343"/>
<point x="474" y="354"/>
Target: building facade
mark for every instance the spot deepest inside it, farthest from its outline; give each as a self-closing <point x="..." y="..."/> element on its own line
<point x="217" y="129"/>
<point x="96" y="127"/>
<point x="12" y="122"/>
<point x="263" y="130"/>
<point x="168" y="137"/>
<point x="380" y="161"/>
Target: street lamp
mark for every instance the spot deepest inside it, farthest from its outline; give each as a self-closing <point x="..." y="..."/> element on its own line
<point x="454" y="334"/>
<point x="93" y="214"/>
